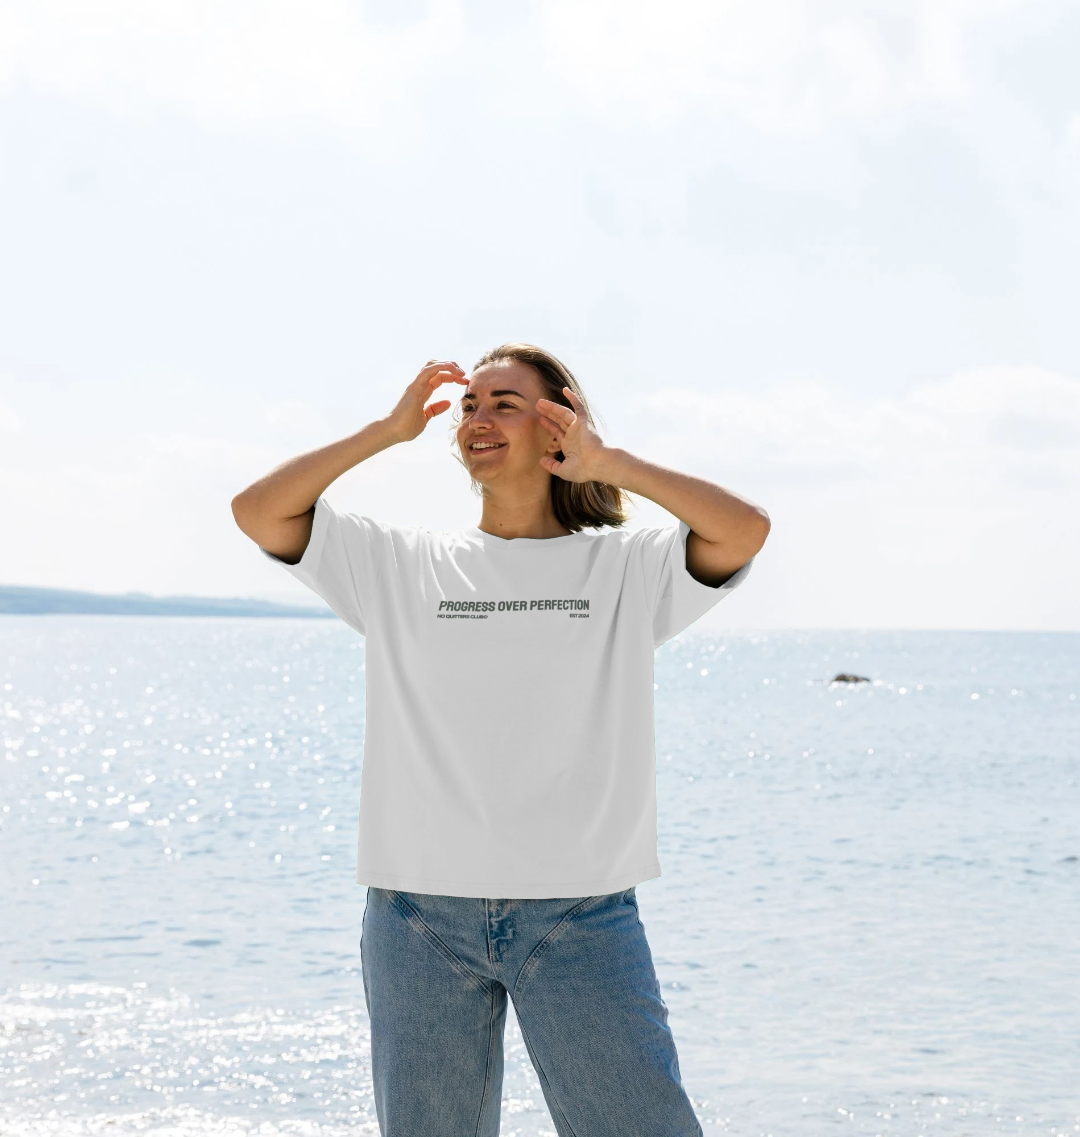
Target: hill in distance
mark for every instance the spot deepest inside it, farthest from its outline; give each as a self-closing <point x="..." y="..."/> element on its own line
<point x="23" y="600"/>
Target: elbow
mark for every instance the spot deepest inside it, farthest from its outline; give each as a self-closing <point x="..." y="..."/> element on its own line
<point x="241" y="509"/>
<point x="762" y="526"/>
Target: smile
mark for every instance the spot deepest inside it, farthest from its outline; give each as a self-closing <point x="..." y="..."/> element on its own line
<point x="481" y="447"/>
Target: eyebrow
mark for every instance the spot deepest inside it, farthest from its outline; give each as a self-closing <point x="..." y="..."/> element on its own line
<point x="494" y="395"/>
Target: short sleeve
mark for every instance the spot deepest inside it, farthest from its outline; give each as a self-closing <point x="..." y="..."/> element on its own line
<point x="675" y="598"/>
<point x="343" y="562"/>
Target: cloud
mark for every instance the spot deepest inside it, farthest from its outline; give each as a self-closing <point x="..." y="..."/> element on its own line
<point x="787" y="64"/>
<point x="224" y="62"/>
<point x="9" y="420"/>
<point x="783" y="64"/>
<point x="149" y="509"/>
<point x="147" y="512"/>
<point x="982" y="427"/>
<point x="948" y="505"/>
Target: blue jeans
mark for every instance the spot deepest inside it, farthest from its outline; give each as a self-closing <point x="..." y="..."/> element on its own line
<point x="437" y="970"/>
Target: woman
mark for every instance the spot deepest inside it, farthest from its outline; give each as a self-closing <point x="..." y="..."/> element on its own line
<point x="508" y="792"/>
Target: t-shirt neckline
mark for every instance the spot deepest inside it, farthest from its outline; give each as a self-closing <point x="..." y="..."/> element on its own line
<point x="507" y="542"/>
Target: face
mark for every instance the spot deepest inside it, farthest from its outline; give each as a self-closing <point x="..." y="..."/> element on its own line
<point x="500" y="435"/>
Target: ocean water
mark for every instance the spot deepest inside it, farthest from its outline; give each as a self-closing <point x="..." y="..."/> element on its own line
<point x="868" y="922"/>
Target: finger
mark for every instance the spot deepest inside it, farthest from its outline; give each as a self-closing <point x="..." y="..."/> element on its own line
<point x="556" y="410"/>
<point x="444" y="376"/>
<point x="436" y="409"/>
<point x="579" y="406"/>
<point x="435" y="365"/>
<point x="554" y="427"/>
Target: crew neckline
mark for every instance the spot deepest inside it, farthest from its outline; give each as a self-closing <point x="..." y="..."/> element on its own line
<point x="476" y="531"/>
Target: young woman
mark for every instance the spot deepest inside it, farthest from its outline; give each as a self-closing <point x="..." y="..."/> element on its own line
<point x="508" y="792"/>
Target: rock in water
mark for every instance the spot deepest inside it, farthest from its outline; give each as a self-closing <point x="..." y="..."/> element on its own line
<point x="844" y="677"/>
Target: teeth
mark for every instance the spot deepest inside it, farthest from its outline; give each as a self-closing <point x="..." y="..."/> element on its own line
<point x="485" y="445"/>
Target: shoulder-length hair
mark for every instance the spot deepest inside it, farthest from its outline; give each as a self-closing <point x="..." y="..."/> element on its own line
<point x="577" y="505"/>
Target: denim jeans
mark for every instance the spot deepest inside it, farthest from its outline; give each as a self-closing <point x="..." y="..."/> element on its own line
<point x="437" y="971"/>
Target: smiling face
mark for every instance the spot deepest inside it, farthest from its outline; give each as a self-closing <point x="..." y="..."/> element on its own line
<point x="500" y="435"/>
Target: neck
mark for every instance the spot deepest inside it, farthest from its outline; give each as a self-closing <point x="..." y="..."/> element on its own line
<point x="528" y="514"/>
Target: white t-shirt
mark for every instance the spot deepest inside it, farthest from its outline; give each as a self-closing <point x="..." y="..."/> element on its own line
<point x="509" y="747"/>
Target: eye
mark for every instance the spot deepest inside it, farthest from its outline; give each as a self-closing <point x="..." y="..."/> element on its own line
<point x="498" y="406"/>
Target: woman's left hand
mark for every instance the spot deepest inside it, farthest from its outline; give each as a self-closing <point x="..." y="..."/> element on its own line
<point x="581" y="446"/>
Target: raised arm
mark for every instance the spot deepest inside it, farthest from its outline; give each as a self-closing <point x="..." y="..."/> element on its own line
<point x="277" y="510"/>
<point x="726" y="530"/>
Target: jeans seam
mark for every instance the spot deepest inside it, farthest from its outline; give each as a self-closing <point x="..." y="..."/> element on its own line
<point x="487" y="935"/>
<point x="414" y="917"/>
<point x="529" y="964"/>
<point x="487" y="1064"/>
<point x="363" y="956"/>
<point x="544" y="1078"/>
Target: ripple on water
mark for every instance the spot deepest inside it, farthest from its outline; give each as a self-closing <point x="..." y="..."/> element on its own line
<point x="866" y="920"/>
<point x="79" y="1057"/>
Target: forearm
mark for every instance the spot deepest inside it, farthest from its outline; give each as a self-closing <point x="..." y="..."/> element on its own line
<point x="292" y="488"/>
<point x="715" y="514"/>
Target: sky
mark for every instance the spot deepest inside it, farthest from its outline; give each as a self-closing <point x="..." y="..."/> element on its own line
<point x="824" y="254"/>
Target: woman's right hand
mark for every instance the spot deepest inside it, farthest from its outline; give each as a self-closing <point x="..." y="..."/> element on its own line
<point x="408" y="419"/>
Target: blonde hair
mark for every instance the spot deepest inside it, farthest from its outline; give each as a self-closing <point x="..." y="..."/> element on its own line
<point x="577" y="505"/>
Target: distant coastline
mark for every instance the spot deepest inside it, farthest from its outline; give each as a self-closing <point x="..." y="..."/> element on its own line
<point x="22" y="600"/>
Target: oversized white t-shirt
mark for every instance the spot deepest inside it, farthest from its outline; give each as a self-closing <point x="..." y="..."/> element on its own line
<point x="509" y="746"/>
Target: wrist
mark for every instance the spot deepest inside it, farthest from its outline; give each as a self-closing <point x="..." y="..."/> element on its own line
<point x="613" y="465"/>
<point x="384" y="432"/>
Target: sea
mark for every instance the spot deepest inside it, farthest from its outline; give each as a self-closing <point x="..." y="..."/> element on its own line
<point x="868" y="920"/>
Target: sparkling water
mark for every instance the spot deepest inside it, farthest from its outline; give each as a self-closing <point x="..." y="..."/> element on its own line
<point x="868" y="922"/>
